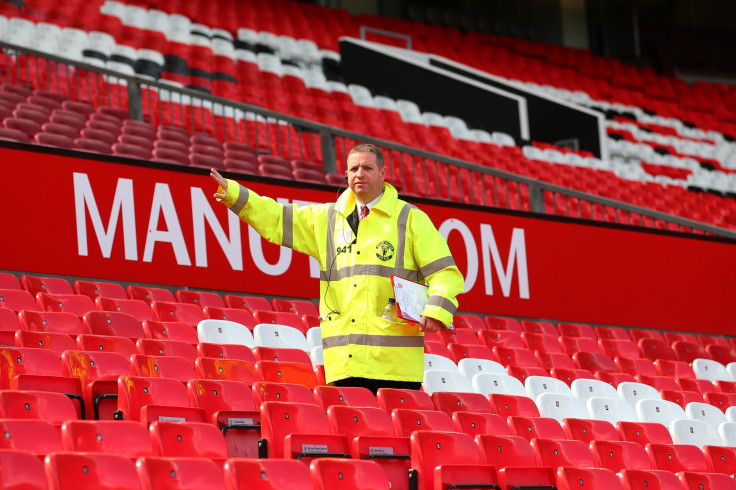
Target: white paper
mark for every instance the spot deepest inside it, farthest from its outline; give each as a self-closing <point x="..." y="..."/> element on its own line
<point x="411" y="298"/>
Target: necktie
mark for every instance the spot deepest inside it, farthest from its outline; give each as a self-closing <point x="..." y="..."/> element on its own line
<point x="364" y="212"/>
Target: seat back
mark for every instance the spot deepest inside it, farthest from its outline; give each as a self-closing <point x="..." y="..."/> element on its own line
<point x="610" y="410"/>
<point x="489" y="383"/>
<point x="694" y="432"/>
<point x="279" y="419"/>
<point x="391" y="398"/>
<point x="179" y="473"/>
<point x="440" y="363"/>
<point x="432" y="448"/>
<point x="274" y="335"/>
<point x="90" y="471"/>
<point x="559" y="407"/>
<point x="446" y="381"/>
<point x="175" y="367"/>
<point x="113" y="323"/>
<point x="187" y="439"/>
<point x="359" y="421"/>
<point x="35" y="436"/>
<point x="536" y="385"/>
<point x="146" y="399"/>
<point x="353" y="396"/>
<point x="224" y="332"/>
<point x="286" y="372"/>
<point x="705" y="413"/>
<point x="619" y="455"/>
<point x="582" y="389"/>
<point x="661" y="411"/>
<point x="21" y="469"/>
<point x="633" y="392"/>
<point x="225" y="369"/>
<point x="124" y="437"/>
<point x="267" y="474"/>
<point x="406" y="421"/>
<point x="340" y="473"/>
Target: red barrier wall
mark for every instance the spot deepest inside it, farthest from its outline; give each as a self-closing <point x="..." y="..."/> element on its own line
<point x="57" y="220"/>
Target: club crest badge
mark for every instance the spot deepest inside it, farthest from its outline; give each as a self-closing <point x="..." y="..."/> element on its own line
<point x="384" y="251"/>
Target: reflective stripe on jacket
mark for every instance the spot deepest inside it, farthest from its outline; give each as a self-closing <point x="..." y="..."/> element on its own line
<point x="395" y="238"/>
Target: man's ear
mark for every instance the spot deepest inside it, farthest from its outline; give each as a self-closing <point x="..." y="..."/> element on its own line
<point x="382" y="173"/>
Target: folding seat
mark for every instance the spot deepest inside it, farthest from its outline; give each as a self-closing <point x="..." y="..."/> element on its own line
<point x="610" y="410"/>
<point x="179" y="473"/>
<point x="224" y="332"/>
<point x="282" y="392"/>
<point x="618" y="348"/>
<point x="282" y="354"/>
<point x="94" y="289"/>
<point x="489" y="383"/>
<point x="200" y="298"/>
<point x="721" y="353"/>
<point x="47" y="321"/>
<point x="231" y="407"/>
<point x="706" y="481"/>
<point x="251" y="303"/>
<point x="290" y="430"/>
<point x="286" y="372"/>
<point x="347" y="473"/>
<point x="98" y="373"/>
<point x="471" y="366"/>
<point x="554" y="360"/>
<point x="371" y="434"/>
<point x="226" y="351"/>
<point x="174" y="330"/>
<point x="38" y="284"/>
<point x="731" y="414"/>
<point x="720" y="459"/>
<point x="149" y="399"/>
<point x="654" y="349"/>
<point x="391" y="398"/>
<point x="694" y="432"/>
<point x="633" y="392"/>
<point x="177" y="312"/>
<point x="707" y="340"/>
<point x="134" y="307"/>
<point x="108" y="343"/>
<point x="274" y="335"/>
<point x="676" y="457"/>
<point x="450" y="402"/>
<point x="633" y="479"/>
<point x="21" y="469"/>
<point x="150" y="294"/>
<point x="571" y="345"/>
<point x="710" y="370"/>
<point x="689" y="351"/>
<point x="515" y="357"/>
<point x="705" y="412"/>
<point x="674" y="369"/>
<point x="583" y="389"/>
<point x="539" y="327"/>
<point x="265" y="474"/>
<point x="640" y="333"/>
<point x="576" y="330"/>
<point x="587" y="430"/>
<point x="113" y="323"/>
<point x="542" y="342"/>
<point x="437" y="348"/>
<point x="299" y="307"/>
<point x="702" y="386"/>
<point x="458" y="336"/>
<point x="614" y="379"/>
<point x="569" y="478"/>
<point x="279" y="318"/>
<point x="467" y="351"/>
<point x="187" y="439"/>
<point x="505" y="338"/>
<point x="721" y="400"/>
<point x="570" y="375"/>
<point x="155" y="347"/>
<point x="236" y="315"/>
<point x="536" y="385"/>
<point x="559" y="406"/>
<point x="619" y="455"/>
<point x="657" y="382"/>
<point x="635" y="366"/>
<point x="661" y="411"/>
<point x="87" y="471"/>
<point x="55" y="408"/>
<point x="440" y="459"/>
<point x="557" y="453"/>
<point x="36" y="436"/>
<point x="611" y="333"/>
<point x="594" y="361"/>
<point x="682" y="398"/>
<point x="535" y="427"/>
<point x="501" y="323"/>
<point x="353" y="396"/>
<point x="72" y="303"/>
<point x="9" y="281"/>
<point x="473" y="323"/>
<point x="225" y="369"/>
<point x="406" y="421"/>
<point x="446" y="381"/>
<point x="174" y="367"/>
<point x="9" y="324"/>
<point x="125" y="438"/>
<point x="56" y="342"/>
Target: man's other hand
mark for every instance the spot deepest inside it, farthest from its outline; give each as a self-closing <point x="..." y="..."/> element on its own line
<point x="430" y="325"/>
<point x="221" y="182"/>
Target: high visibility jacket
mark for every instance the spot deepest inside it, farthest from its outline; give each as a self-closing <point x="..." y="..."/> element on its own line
<point x="395" y="238"/>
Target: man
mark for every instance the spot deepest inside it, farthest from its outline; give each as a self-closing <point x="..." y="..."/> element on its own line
<point x="360" y="241"/>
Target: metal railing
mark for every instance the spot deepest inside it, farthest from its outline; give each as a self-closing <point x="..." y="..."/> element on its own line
<point x="413" y="171"/>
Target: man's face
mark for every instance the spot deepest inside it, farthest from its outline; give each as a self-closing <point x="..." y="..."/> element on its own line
<point x="364" y="176"/>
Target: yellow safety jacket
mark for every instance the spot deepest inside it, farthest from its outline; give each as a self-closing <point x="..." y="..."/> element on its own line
<point x="355" y="286"/>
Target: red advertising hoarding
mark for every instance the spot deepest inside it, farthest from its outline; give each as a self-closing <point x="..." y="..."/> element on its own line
<point x="160" y="225"/>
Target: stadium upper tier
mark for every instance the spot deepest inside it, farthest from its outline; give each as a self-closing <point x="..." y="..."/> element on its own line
<point x="667" y="141"/>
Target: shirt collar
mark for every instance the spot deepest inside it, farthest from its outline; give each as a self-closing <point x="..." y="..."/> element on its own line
<point x="370" y="204"/>
<point x="346" y="202"/>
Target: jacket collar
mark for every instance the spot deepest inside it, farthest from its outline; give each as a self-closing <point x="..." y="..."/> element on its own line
<point x="387" y="203"/>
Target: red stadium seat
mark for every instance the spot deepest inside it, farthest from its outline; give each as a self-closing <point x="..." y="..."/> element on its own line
<point x="644" y="433"/>
<point x="505" y="338"/>
<point x="134" y="307"/>
<point x="328" y="396"/>
<point x="226" y="351"/>
<point x="17" y="300"/>
<point x="174" y="330"/>
<point x="676" y="457"/>
<point x="501" y="323"/>
<point x="71" y="303"/>
<point x="535" y="427"/>
<point x="98" y="373"/>
<point x="55" y="408"/>
<point x="125" y="438"/>
<point x="282" y="354"/>
<point x="39" y="284"/>
<point x="150" y="294"/>
<point x="250" y="303"/>
<point x="391" y="398"/>
<point x="187" y="439"/>
<point x="266" y="474"/>
<point x="93" y="289"/>
<point x="179" y="473"/>
<point x="200" y="298"/>
<point x="148" y="399"/>
<point x="507" y="405"/>
<point x="225" y="369"/>
<point x="88" y="471"/>
<point x="587" y="430"/>
<point x="237" y="315"/>
<point x="36" y="436"/>
<point x="286" y="372"/>
<point x="573" y="478"/>
<point x="177" y="312"/>
<point x="300" y="307"/>
<point x="154" y="347"/>
<point x="474" y="423"/>
<point x="108" y="343"/>
<point x="619" y="455"/>
<point x="329" y="474"/>
<point x="21" y="469"/>
<point x="470" y="322"/>
<point x="56" y="342"/>
<point x="450" y="458"/>
<point x="282" y="392"/>
<point x="632" y="479"/>
<point x="556" y="453"/>
<point x="407" y="421"/>
<point x="174" y="367"/>
<point x="112" y="323"/>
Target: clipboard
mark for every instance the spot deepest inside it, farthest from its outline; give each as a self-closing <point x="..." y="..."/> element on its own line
<point x="411" y="297"/>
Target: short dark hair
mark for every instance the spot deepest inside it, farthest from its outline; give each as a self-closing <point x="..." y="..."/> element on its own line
<point x="369" y="148"/>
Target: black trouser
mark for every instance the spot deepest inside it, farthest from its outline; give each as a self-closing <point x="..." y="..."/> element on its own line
<point x="374" y="384"/>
